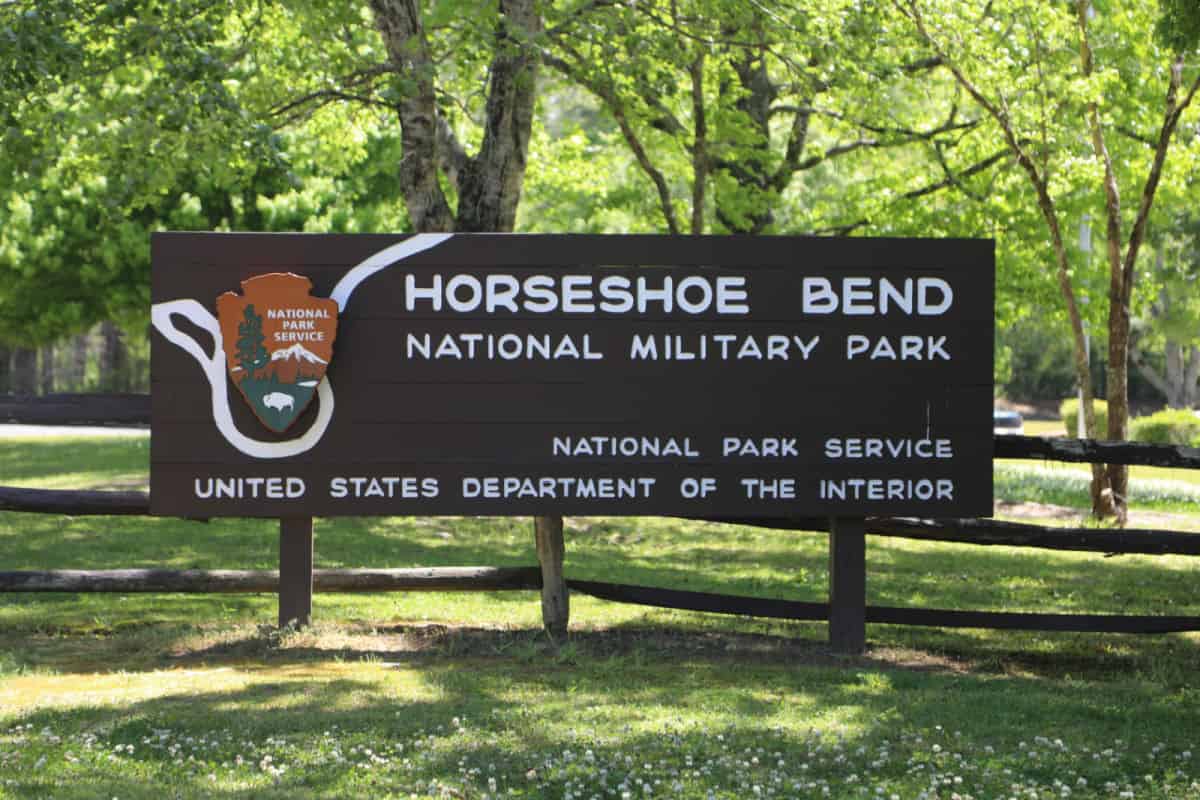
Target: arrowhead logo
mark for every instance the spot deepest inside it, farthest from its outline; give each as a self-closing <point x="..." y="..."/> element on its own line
<point x="278" y="342"/>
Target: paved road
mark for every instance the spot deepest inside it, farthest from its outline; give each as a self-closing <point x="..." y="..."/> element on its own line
<point x="8" y="431"/>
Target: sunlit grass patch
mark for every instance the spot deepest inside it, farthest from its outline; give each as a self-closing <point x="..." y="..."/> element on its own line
<point x="687" y="729"/>
<point x="1070" y="486"/>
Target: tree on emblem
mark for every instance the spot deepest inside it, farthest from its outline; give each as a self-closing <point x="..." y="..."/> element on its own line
<point x="251" y="350"/>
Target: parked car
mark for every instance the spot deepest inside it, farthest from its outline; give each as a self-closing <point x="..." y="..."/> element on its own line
<point x="1007" y="423"/>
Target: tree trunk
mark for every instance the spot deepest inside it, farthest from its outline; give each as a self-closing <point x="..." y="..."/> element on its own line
<point x="114" y="359"/>
<point x="1174" y="374"/>
<point x="399" y="21"/>
<point x="1191" y="377"/>
<point x="1117" y="395"/>
<point x="46" y="369"/>
<point x="749" y="210"/>
<point x="77" y="372"/>
<point x="490" y="183"/>
<point x="1171" y="384"/>
<point x="24" y="371"/>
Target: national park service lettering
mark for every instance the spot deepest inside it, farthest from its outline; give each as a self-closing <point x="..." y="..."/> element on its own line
<point x="278" y="342"/>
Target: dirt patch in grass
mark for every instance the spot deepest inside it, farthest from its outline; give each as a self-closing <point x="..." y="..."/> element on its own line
<point x="412" y="643"/>
<point x="1074" y="516"/>
<point x="416" y="644"/>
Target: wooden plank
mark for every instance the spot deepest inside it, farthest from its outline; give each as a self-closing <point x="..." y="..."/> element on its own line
<point x="76" y="409"/>
<point x="931" y="617"/>
<point x="523" y="443"/>
<point x="433" y="350"/>
<point x="702" y="601"/>
<point x="551" y="551"/>
<point x="847" y="584"/>
<point x="1092" y="451"/>
<point x="423" y="579"/>
<point x="295" y="571"/>
<point x="651" y="401"/>
<point x="999" y="533"/>
<point x="1019" y="534"/>
<point x="497" y="489"/>
<point x="1003" y="620"/>
<point x="247" y="254"/>
<point x="72" y="502"/>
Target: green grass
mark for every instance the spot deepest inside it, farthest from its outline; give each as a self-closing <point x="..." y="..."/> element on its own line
<point x="1058" y="484"/>
<point x="132" y="695"/>
<point x="1044" y="427"/>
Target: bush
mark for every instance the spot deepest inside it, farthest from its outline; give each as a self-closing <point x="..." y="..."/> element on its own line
<point x="1169" y="426"/>
<point x="1069" y="411"/>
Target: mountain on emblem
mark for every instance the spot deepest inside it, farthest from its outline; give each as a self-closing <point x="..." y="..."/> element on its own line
<point x="278" y="342"/>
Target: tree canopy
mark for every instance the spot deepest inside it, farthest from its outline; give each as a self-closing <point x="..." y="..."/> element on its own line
<point x="1015" y="119"/>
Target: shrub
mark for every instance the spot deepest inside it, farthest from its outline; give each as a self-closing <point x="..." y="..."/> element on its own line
<point x="1169" y="426"/>
<point x="1069" y="411"/>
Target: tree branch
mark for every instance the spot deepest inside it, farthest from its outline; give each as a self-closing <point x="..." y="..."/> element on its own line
<point x="1112" y="192"/>
<point x="352" y="80"/>
<point x="1130" y="133"/>
<point x="399" y="22"/>
<point x="608" y="96"/>
<point x="303" y="107"/>
<point x="1045" y="204"/>
<point x="797" y="138"/>
<point x="951" y="181"/>
<point x="849" y="147"/>
<point x="490" y="183"/>
<point x="574" y="15"/>
<point x="699" y="143"/>
<point x="452" y="156"/>
<point x="1170" y="121"/>
<point x="1149" y="373"/>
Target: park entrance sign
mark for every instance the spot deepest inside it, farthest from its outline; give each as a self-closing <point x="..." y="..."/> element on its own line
<point x="319" y="375"/>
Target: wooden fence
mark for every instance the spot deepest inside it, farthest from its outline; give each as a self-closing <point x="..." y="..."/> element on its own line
<point x="846" y="610"/>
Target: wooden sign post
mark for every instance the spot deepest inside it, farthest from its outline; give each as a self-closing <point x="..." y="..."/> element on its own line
<point x="295" y="571"/>
<point x="297" y="376"/>
<point x="847" y="584"/>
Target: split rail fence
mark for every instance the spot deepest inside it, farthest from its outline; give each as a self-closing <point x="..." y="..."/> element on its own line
<point x="846" y="611"/>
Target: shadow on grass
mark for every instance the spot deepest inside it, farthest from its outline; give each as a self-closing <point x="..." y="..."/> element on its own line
<point x="1164" y="661"/>
<point x="525" y="702"/>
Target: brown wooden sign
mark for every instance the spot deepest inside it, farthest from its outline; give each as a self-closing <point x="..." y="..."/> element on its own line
<point x="514" y="374"/>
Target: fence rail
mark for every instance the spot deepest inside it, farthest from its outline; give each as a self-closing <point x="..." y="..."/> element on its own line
<point x="135" y="410"/>
<point x="76" y="409"/>
<point x="232" y="581"/>
<point x="492" y="579"/>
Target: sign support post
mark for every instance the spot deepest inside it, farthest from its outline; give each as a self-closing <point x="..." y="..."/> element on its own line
<point x="847" y="584"/>
<point x="295" y="571"/>
<point x="548" y="535"/>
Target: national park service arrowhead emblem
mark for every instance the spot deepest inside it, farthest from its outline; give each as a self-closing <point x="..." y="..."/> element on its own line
<point x="278" y="342"/>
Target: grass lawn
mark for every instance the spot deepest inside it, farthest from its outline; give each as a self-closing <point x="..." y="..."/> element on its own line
<point x="1044" y="427"/>
<point x="460" y="695"/>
